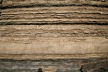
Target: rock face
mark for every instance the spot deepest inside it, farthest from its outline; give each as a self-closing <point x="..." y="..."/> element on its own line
<point x="70" y="65"/>
<point x="53" y="36"/>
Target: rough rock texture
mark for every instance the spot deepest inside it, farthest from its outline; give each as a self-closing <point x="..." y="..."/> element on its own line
<point x="53" y="35"/>
<point x="54" y="12"/>
<point x="74" y="65"/>
<point x="53" y="39"/>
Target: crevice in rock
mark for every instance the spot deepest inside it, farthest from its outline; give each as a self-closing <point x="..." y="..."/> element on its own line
<point x="81" y="69"/>
<point x="40" y="70"/>
<point x="51" y="5"/>
<point x="52" y="23"/>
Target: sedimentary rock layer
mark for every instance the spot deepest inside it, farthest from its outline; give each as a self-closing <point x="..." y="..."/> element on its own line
<point x="53" y="39"/>
<point x="54" y="12"/>
<point x="24" y="3"/>
<point x="53" y="28"/>
<point x="70" y="65"/>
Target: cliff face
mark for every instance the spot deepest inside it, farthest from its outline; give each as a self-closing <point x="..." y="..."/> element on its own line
<point x="68" y="33"/>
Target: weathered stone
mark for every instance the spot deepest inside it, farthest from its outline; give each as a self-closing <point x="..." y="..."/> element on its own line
<point x="73" y="65"/>
<point x="54" y="35"/>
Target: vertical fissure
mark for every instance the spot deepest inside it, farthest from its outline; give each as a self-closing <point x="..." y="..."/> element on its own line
<point x="40" y="70"/>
